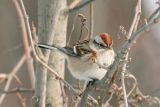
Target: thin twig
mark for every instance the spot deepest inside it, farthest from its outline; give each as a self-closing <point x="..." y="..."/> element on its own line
<point x="91" y="20"/>
<point x="123" y="82"/>
<point x="18" y="80"/>
<point x="109" y="99"/>
<point x="25" y="42"/>
<point x="84" y="97"/>
<point x="133" y="28"/>
<point x="65" y="99"/>
<point x="134" y="84"/>
<point x="127" y="45"/>
<point x="25" y="20"/>
<point x="72" y="29"/>
<point x="79" y="6"/>
<point x="154" y="14"/>
<point x="22" y="99"/>
<point x="3" y="77"/>
<point x="41" y="61"/>
<point x="15" y="90"/>
<point x="83" y="26"/>
<point x="11" y="76"/>
<point x="74" y="4"/>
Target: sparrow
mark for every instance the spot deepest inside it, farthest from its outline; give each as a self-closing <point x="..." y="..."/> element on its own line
<point x="86" y="58"/>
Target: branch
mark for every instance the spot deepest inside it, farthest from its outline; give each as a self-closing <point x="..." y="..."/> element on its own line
<point x="91" y="21"/>
<point x="123" y="82"/>
<point x="40" y="60"/>
<point x="134" y="84"/>
<point x="84" y="97"/>
<point x="3" y="77"/>
<point x="25" y="41"/>
<point x="133" y="28"/>
<point x="70" y="10"/>
<point x="24" y="20"/>
<point x="22" y="100"/>
<point x="74" y="4"/>
<point x="154" y="14"/>
<point x="126" y="46"/>
<point x="11" y="76"/>
<point x="15" y="90"/>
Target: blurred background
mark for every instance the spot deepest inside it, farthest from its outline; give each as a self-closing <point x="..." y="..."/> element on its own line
<point x="109" y="16"/>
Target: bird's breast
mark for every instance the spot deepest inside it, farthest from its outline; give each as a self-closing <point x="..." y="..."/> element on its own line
<point x="105" y="58"/>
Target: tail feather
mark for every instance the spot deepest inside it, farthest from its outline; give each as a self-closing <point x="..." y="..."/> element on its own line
<point x="65" y="50"/>
<point x="46" y="46"/>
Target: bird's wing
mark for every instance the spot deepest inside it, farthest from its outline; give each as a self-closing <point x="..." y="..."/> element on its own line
<point x="82" y="48"/>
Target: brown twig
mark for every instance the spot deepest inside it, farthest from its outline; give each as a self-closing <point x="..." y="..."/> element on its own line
<point x="65" y="99"/>
<point x="15" y="90"/>
<point x="125" y="47"/>
<point x="25" y="41"/>
<point x="132" y="29"/>
<point x="84" y="97"/>
<point x="79" y="6"/>
<point x="3" y="77"/>
<point x="11" y="76"/>
<point x="134" y="84"/>
<point x="128" y="44"/>
<point x="24" y="17"/>
<point x="72" y="29"/>
<point x="22" y="99"/>
<point x="40" y="60"/>
<point x="83" y="26"/>
<point x="153" y="14"/>
<point x="91" y="20"/>
<point x="74" y="4"/>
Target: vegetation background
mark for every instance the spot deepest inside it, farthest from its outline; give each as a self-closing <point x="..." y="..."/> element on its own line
<point x="109" y="16"/>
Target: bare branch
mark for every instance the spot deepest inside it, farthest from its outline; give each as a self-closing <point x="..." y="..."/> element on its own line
<point x="79" y="6"/>
<point x="3" y="77"/>
<point x="84" y="96"/>
<point x="134" y="84"/>
<point x="15" y="90"/>
<point x="123" y="82"/>
<point x="40" y="60"/>
<point x="91" y="20"/>
<point x="154" y="14"/>
<point x="22" y="100"/>
<point x="72" y="29"/>
<point x="11" y="76"/>
<point x="128" y="44"/>
<point x="133" y="28"/>
<point x="132" y="37"/>
<point x="25" y="42"/>
<point x="74" y="4"/>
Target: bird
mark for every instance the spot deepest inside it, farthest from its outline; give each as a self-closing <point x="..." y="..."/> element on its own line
<point x="86" y="60"/>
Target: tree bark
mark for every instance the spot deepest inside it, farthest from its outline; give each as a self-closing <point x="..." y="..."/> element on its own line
<point x="52" y="27"/>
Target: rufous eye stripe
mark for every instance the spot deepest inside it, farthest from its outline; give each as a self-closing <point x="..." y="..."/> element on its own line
<point x="107" y="39"/>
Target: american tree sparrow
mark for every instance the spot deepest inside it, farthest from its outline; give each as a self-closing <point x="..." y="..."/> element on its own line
<point x="86" y="58"/>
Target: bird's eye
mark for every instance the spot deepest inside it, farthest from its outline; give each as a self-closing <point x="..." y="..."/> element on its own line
<point x="101" y="45"/>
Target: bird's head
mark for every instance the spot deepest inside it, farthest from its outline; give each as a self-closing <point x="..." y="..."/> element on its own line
<point x="102" y="41"/>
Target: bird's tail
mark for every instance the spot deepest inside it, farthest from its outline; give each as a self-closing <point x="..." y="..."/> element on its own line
<point x="46" y="46"/>
<point x="64" y="50"/>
